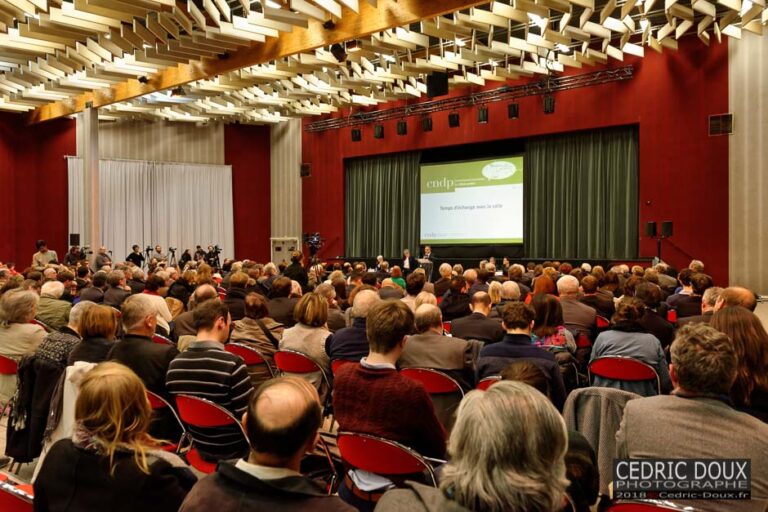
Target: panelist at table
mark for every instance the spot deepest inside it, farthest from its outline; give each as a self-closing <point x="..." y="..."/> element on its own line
<point x="409" y="262"/>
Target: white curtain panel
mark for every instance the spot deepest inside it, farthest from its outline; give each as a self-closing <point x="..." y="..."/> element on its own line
<point x="150" y="203"/>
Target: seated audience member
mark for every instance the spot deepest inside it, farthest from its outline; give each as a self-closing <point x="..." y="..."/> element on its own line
<point x="136" y="282"/>
<point x="280" y="305"/>
<point x="57" y="346"/>
<point x="652" y="320"/>
<point x="697" y="266"/>
<point x="708" y="302"/>
<point x="691" y="305"/>
<point x="111" y="462"/>
<point x="579" y="318"/>
<point x="370" y="279"/>
<point x="356" y="280"/>
<point x="51" y="310"/>
<point x="494" y="292"/>
<point x="351" y="343"/>
<point x="152" y="293"/>
<point x="430" y="348"/>
<point x="43" y="256"/>
<point x="736" y="296"/>
<point x="336" y="318"/>
<point x="98" y="327"/>
<point x="609" y="283"/>
<point x="455" y="304"/>
<point x="296" y="271"/>
<point x="749" y="392"/>
<point x="184" y="324"/>
<point x="685" y="289"/>
<point x="260" y="332"/>
<point x="510" y="292"/>
<point x="548" y="328"/>
<point x="516" y="345"/>
<point x="235" y="299"/>
<point x="206" y="370"/>
<point x="413" y="286"/>
<point x="18" y="337"/>
<point x="426" y="297"/>
<point x="308" y="336"/>
<point x="516" y="274"/>
<point x="604" y="306"/>
<point x="95" y="292"/>
<point x="390" y="290"/>
<point x="442" y="284"/>
<point x="116" y="293"/>
<point x="507" y="453"/>
<point x="397" y="277"/>
<point x="696" y="421"/>
<point x="478" y="281"/>
<point x="478" y="326"/>
<point x="281" y="422"/>
<point x="627" y="338"/>
<point x="542" y="285"/>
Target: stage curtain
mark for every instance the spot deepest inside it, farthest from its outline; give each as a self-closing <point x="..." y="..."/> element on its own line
<point x="582" y="195"/>
<point x="382" y="205"/>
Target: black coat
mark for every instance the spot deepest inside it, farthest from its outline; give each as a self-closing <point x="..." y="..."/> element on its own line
<point x="297" y="273"/>
<point x="91" y="350"/>
<point x="235" y="300"/>
<point x="281" y="310"/>
<point x="477" y="327"/>
<point x="455" y="306"/>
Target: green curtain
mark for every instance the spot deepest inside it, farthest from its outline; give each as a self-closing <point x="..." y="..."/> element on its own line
<point x="382" y="205"/>
<point x="582" y="195"/>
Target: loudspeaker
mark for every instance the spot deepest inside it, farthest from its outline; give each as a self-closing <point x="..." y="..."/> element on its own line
<point x="426" y="124"/>
<point x="666" y="228"/>
<point x="306" y="170"/>
<point x="402" y="127"/>
<point x="549" y="104"/>
<point x="357" y="135"/>
<point x="74" y="239"/>
<point x="482" y="115"/>
<point x="513" y="110"/>
<point x="650" y="229"/>
<point x="453" y="120"/>
<point x="378" y="131"/>
<point x="437" y="84"/>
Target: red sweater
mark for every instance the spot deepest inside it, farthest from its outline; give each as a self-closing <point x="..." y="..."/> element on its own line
<point x="385" y="404"/>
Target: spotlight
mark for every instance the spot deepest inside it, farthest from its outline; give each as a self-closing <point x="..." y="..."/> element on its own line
<point x="378" y="131"/>
<point x="513" y="110"/>
<point x="143" y="80"/>
<point x="178" y="91"/>
<point x="426" y="124"/>
<point x="357" y="135"/>
<point x="482" y="115"/>
<point x="402" y="127"/>
<point x="338" y="51"/>
<point x="453" y="120"/>
<point x="329" y="25"/>
<point x="549" y="104"/>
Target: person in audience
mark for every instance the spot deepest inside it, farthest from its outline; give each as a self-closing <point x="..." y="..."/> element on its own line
<point x="351" y="343"/>
<point x="183" y="288"/>
<point x="235" y="299"/>
<point x="67" y="278"/>
<point x="627" y="338"/>
<point x="116" y="293"/>
<point x="697" y="416"/>
<point x="281" y="306"/>
<point x="518" y="320"/>
<point x="95" y="292"/>
<point x="604" y="306"/>
<point x="455" y="304"/>
<point x="208" y="371"/>
<point x="516" y="273"/>
<point x="414" y="284"/>
<point x="430" y="348"/>
<point x="111" y="462"/>
<point x="18" y="336"/>
<point x="549" y="327"/>
<point x="58" y="345"/>
<point x="184" y="325"/>
<point x="43" y="256"/>
<point x="137" y="282"/>
<point x="696" y="266"/>
<point x="542" y="285"/>
<point x="736" y="296"/>
<point x="708" y="302"/>
<point x="652" y="320"/>
<point x="296" y="271"/>
<point x="691" y="305"/>
<point x="390" y="290"/>
<point x="444" y="283"/>
<point x="749" y="392"/>
<point x="478" y="280"/>
<point x="259" y="331"/>
<point x="73" y="256"/>
<point x="494" y="292"/>
<point x="682" y="292"/>
<point x="426" y="297"/>
<point x="102" y="259"/>
<point x="336" y="318"/>
<point x="382" y="271"/>
<point x="579" y="318"/>
<point x="281" y="422"/>
<point x="507" y="453"/>
<point x="164" y="316"/>
<point x="98" y="327"/>
<point x="477" y="326"/>
<point x="409" y="262"/>
<point x="397" y="277"/>
<point x="136" y="257"/>
<point x="51" y="310"/>
<point x="609" y="283"/>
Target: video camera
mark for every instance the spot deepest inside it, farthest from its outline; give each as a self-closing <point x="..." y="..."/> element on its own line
<point x="86" y="250"/>
<point x="216" y="249"/>
<point x="314" y="241"/>
<point x="172" y="250"/>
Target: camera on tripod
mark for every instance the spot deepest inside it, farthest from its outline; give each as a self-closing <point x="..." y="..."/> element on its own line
<point x="172" y="250"/>
<point x="216" y="249"/>
<point x="314" y="241"/>
<point x="86" y="250"/>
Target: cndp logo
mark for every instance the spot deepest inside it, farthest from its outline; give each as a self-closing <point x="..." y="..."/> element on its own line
<point x="441" y="183"/>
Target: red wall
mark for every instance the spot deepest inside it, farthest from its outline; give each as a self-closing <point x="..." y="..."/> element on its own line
<point x="247" y="149"/>
<point x="683" y="172"/>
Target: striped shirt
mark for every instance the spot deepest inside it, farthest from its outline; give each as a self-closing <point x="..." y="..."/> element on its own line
<point x="207" y="371"/>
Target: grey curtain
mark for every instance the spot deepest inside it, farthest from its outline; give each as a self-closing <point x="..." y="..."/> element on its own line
<point x="382" y="205"/>
<point x="581" y="194"/>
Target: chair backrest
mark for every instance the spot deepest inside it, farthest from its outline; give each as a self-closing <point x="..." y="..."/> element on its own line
<point x="447" y="327"/>
<point x="250" y="355"/>
<point x="15" y="498"/>
<point x="623" y="368"/>
<point x="381" y="456"/>
<point x="435" y="382"/>
<point x="158" y="403"/>
<point x="602" y="322"/>
<point x="161" y="340"/>
<point x="291" y="361"/>
<point x="642" y="506"/>
<point x="672" y="316"/>
<point x="488" y="382"/>
<point x="338" y="363"/>
<point x="199" y="412"/>
<point x="8" y="366"/>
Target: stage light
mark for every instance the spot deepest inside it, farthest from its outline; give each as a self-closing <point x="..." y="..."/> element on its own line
<point x="338" y="51"/>
<point x="357" y="135"/>
<point x="402" y="127"/>
<point x="378" y="131"/>
<point x="453" y="120"/>
<point x="513" y="110"/>
<point x="549" y="104"/>
<point x="426" y="124"/>
<point x="482" y="115"/>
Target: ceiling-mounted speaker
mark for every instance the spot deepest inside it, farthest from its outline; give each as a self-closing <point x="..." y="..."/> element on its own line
<point x="437" y="84"/>
<point x="650" y="229"/>
<point x="666" y="228"/>
<point x="721" y="124"/>
<point x="74" y="239"/>
<point x="306" y="170"/>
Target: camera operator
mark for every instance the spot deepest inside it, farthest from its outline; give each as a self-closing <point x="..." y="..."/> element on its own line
<point x="199" y="254"/>
<point x="158" y="254"/>
<point x="212" y="257"/>
<point x="102" y="259"/>
<point x="186" y="257"/>
<point x="296" y="270"/>
<point x="73" y="256"/>
<point x="136" y="257"/>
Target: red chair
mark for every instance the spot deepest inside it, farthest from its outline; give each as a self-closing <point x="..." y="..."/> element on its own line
<point x="250" y="356"/>
<point x="602" y="322"/>
<point x="623" y="368"/>
<point x="447" y="327"/>
<point x="642" y="506"/>
<point x="159" y="403"/>
<point x="435" y="382"/>
<point x="162" y="340"/>
<point x="8" y="366"/>
<point x="487" y="382"/>
<point x="202" y="413"/>
<point x="15" y="498"/>
<point x="672" y="316"/>
<point x="292" y="361"/>
<point x="381" y="456"/>
<point x="338" y="363"/>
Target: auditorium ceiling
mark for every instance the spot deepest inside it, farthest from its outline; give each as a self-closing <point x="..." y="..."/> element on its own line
<point x="264" y="61"/>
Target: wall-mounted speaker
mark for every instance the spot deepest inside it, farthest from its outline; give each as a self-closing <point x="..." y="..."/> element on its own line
<point x="306" y="170"/>
<point x="650" y="229"/>
<point x="357" y="135"/>
<point x="453" y="120"/>
<point x="378" y="131"/>
<point x="513" y="110"/>
<point x="426" y="124"/>
<point x="402" y="127"/>
<point x="666" y="228"/>
<point x="721" y="124"/>
<point x="437" y="84"/>
<point x="74" y="239"/>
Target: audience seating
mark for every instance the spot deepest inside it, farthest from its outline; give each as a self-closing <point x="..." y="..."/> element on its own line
<point x="250" y="356"/>
<point x="15" y="498"/>
<point x="202" y="413"/>
<point x="162" y="340"/>
<point x="158" y="403"/>
<point x="8" y="366"/>
<point x="642" y="506"/>
<point x="381" y="456"/>
<point x="603" y="323"/>
<point x="488" y="382"/>
<point x="623" y="368"/>
<point x="435" y="382"/>
<point x="447" y="327"/>
<point x="292" y="361"/>
<point x="672" y="316"/>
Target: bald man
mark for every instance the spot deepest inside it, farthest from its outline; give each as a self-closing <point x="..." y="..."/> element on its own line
<point x="281" y="423"/>
<point x="736" y="296"/>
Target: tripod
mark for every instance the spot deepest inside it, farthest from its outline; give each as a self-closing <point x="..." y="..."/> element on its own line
<point x="172" y="259"/>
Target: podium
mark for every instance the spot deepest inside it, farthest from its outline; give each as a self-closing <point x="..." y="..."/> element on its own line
<point x="428" y="266"/>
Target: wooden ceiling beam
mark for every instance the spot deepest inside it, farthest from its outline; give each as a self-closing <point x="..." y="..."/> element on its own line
<point x="386" y="15"/>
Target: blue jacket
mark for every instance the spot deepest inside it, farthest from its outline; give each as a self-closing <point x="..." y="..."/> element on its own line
<point x="349" y="343"/>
